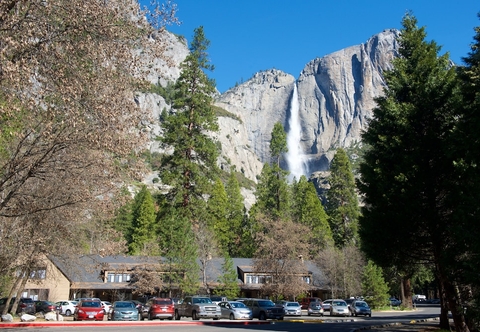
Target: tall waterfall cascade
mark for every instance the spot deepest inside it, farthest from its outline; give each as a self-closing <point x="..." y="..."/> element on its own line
<point x="295" y="157"/>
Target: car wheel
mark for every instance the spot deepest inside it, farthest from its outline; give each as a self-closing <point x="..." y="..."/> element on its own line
<point x="68" y="312"/>
<point x="232" y="317"/>
<point x="170" y="318"/>
<point x="177" y="316"/>
<point x="370" y="315"/>
<point x="261" y="316"/>
<point x="355" y="314"/>
<point x="309" y="314"/>
<point x="194" y="315"/>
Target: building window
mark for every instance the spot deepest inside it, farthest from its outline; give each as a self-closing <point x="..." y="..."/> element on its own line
<point x="38" y="274"/>
<point x="262" y="279"/>
<point x="306" y="279"/>
<point x="118" y="277"/>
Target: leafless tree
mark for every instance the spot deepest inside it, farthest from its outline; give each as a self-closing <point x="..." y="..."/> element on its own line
<point x="69" y="125"/>
<point x="343" y="269"/>
<point x="281" y="247"/>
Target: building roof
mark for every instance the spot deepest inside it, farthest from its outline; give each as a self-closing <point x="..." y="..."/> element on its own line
<point x="88" y="271"/>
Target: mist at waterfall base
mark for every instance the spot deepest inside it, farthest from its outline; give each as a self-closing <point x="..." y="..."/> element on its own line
<point x="295" y="156"/>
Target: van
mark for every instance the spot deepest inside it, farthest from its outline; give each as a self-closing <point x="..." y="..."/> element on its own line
<point x="306" y="301"/>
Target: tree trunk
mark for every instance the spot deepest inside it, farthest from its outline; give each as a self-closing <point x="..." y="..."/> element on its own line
<point x="407" y="293"/>
<point x="444" y="321"/>
<point x="455" y="306"/>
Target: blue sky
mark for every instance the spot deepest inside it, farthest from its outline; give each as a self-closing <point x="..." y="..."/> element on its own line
<point x="247" y="36"/>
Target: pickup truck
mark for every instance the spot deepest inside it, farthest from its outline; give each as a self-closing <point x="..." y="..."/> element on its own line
<point x="197" y="307"/>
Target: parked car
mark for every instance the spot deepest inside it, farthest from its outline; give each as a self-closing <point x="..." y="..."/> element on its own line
<point x="141" y="308"/>
<point x="25" y="305"/>
<point x="217" y="299"/>
<point x="123" y="310"/>
<point x="88" y="309"/>
<point x="158" y="307"/>
<point x="67" y="308"/>
<point x="360" y="308"/>
<point x="326" y="305"/>
<point x="305" y="302"/>
<point x="290" y="308"/>
<point x="264" y="309"/>
<point x="106" y="306"/>
<point x="43" y="307"/>
<point x="394" y="302"/>
<point x="349" y="301"/>
<point x="315" y="308"/>
<point x="339" y="308"/>
<point x="235" y="310"/>
<point x="197" y="307"/>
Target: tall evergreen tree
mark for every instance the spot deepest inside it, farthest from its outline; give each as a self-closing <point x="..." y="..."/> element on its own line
<point x="342" y="203"/>
<point x="374" y="285"/>
<point x="217" y="211"/>
<point x="235" y="214"/>
<point x="143" y="235"/>
<point x="408" y="172"/>
<point x="467" y="164"/>
<point x="191" y="167"/>
<point x="273" y="196"/>
<point x="228" y="280"/>
<point x="278" y="143"/>
<point x="308" y="210"/>
<point x="178" y="245"/>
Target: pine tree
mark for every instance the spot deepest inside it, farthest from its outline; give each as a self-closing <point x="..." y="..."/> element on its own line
<point x="308" y="210"/>
<point x="374" y="285"/>
<point x="273" y="192"/>
<point x="180" y="251"/>
<point x="278" y="143"/>
<point x="143" y="237"/>
<point x="236" y="215"/>
<point x="228" y="280"/>
<point x="408" y="174"/>
<point x="217" y="212"/>
<point x="191" y="168"/>
<point x="342" y="203"/>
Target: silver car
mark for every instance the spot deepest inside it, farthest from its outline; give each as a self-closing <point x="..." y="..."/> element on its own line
<point x="339" y="308"/>
<point x="291" y="308"/>
<point x="235" y="310"/>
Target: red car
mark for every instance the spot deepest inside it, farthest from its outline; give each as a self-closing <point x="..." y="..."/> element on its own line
<point x="161" y="308"/>
<point x="88" y="309"/>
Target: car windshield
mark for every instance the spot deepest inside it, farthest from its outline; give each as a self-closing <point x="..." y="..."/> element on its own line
<point x="266" y="304"/>
<point x="361" y="304"/>
<point x="292" y="304"/>
<point x="238" y="305"/>
<point x="124" y="305"/>
<point x="202" y="300"/>
<point x="163" y="302"/>
<point x="340" y="303"/>
<point x="91" y="304"/>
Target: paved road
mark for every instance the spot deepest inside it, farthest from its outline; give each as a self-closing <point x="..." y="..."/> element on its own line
<point x="305" y="324"/>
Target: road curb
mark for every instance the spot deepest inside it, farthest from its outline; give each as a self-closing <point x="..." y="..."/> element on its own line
<point x="124" y="323"/>
<point x="412" y="322"/>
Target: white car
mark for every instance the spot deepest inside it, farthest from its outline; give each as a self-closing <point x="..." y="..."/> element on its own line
<point x="68" y="307"/>
<point x="339" y="308"/>
<point x="106" y="307"/>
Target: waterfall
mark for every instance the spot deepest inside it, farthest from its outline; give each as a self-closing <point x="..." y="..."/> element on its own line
<point x="294" y="155"/>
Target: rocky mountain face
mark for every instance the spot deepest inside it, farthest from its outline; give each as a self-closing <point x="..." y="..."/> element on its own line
<point x="335" y="100"/>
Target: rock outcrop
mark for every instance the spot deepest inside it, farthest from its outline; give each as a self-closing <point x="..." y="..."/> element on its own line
<point x="335" y="94"/>
<point x="336" y="97"/>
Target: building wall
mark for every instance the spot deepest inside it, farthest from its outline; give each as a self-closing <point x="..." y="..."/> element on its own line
<point x="53" y="286"/>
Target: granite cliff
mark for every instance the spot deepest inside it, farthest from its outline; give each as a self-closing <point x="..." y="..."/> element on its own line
<point x="335" y="100"/>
